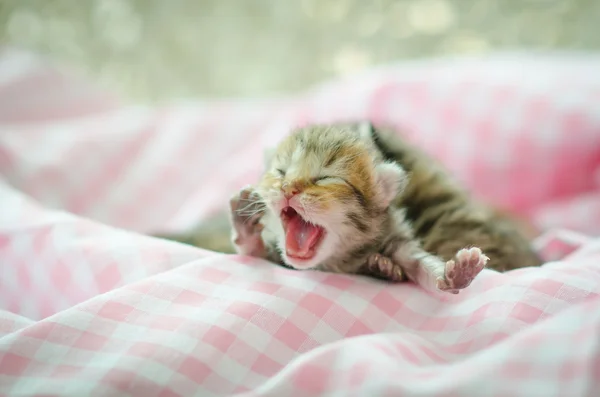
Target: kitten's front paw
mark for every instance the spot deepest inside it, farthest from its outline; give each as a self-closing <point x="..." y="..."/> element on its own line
<point x="382" y="267"/>
<point x="247" y="209"/>
<point x="462" y="270"/>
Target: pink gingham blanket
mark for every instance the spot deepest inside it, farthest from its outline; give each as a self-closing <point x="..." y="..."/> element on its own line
<point x="90" y="306"/>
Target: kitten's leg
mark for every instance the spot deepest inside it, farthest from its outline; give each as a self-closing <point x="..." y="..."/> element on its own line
<point x="432" y="273"/>
<point x="419" y="266"/>
<point x="246" y="212"/>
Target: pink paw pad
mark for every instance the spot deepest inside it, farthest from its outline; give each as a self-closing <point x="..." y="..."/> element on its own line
<point x="462" y="270"/>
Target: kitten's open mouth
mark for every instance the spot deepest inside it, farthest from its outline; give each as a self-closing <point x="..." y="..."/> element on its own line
<point x="301" y="237"/>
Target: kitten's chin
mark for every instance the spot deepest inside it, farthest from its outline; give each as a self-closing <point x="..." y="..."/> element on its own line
<point x="320" y="256"/>
<point x="301" y="263"/>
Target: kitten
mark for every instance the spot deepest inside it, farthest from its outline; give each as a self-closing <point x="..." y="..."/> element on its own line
<point x="350" y="198"/>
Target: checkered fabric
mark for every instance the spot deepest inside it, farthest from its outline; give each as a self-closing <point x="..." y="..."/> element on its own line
<point x="89" y="306"/>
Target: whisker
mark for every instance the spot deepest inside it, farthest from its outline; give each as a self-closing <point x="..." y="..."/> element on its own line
<point x="252" y="201"/>
<point x="249" y="213"/>
<point x="252" y="204"/>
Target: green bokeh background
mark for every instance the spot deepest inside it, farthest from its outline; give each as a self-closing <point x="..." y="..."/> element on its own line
<point x="156" y="50"/>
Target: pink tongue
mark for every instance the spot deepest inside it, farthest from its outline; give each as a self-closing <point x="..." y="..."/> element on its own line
<point x="301" y="236"/>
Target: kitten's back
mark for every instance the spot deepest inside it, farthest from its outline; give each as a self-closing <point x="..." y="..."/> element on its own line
<point x="445" y="218"/>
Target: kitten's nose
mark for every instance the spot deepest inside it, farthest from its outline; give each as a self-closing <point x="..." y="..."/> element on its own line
<point x="289" y="190"/>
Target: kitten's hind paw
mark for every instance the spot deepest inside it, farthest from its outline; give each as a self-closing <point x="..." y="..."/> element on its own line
<point x="382" y="267"/>
<point x="462" y="270"/>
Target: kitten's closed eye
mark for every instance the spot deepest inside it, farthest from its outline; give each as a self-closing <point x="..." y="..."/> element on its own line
<point x="329" y="178"/>
<point x="280" y="172"/>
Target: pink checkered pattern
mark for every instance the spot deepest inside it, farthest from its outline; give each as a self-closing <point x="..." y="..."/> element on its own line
<point x="88" y="306"/>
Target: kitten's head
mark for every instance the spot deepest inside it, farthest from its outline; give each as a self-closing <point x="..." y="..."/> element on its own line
<point x="328" y="191"/>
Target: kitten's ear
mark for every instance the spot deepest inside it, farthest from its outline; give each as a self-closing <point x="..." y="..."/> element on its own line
<point x="366" y="130"/>
<point x="391" y="181"/>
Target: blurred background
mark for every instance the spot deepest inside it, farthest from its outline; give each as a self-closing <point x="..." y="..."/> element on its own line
<point x="157" y="50"/>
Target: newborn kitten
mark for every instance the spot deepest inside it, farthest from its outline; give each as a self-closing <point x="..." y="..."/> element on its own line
<point x="340" y="178"/>
<point x="350" y="199"/>
<point x="324" y="203"/>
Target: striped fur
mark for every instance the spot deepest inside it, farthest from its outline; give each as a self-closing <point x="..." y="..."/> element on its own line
<point x="443" y="216"/>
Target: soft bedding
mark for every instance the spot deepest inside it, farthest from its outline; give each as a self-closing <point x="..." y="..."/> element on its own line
<point x="91" y="306"/>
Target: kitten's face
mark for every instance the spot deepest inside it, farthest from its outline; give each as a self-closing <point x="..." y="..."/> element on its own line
<point x="326" y="192"/>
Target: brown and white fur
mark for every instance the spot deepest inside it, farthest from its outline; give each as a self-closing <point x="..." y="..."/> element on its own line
<point x="384" y="209"/>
